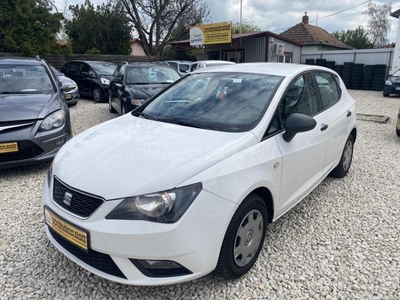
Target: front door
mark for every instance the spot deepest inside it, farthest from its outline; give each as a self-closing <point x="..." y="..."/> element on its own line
<point x="304" y="155"/>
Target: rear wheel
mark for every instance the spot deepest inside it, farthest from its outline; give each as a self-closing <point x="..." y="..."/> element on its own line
<point x="243" y="239"/>
<point x="97" y="94"/>
<point x="345" y="161"/>
<point x="397" y="132"/>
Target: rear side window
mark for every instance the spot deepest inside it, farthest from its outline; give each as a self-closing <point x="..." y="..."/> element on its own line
<point x="193" y="67"/>
<point x="328" y="88"/>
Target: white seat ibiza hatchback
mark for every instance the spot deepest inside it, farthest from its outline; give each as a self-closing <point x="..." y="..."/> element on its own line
<point x="187" y="183"/>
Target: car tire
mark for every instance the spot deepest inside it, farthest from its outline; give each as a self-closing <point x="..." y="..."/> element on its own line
<point x="397" y="132"/>
<point x="343" y="167"/>
<point x="110" y="107"/>
<point x="97" y="94"/>
<point x="245" y="235"/>
<point x="386" y="94"/>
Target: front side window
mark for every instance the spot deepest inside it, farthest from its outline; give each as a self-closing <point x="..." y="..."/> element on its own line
<point x="184" y="68"/>
<point x="73" y="67"/>
<point x="193" y="67"/>
<point x="25" y="79"/>
<point x="328" y="88"/>
<point x="300" y="97"/>
<point x="231" y="102"/>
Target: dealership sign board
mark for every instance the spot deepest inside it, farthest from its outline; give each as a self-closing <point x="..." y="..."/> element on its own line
<point x="209" y="34"/>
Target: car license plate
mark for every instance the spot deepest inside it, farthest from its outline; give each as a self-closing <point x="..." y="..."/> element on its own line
<point x="68" y="96"/>
<point x="8" y="147"/>
<point x="71" y="233"/>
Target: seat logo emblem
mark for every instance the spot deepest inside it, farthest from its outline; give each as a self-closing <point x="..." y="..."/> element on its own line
<point x="67" y="199"/>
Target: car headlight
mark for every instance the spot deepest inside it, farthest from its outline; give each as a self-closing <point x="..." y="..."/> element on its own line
<point x="54" y="120"/>
<point x="163" y="207"/>
<point x="388" y="82"/>
<point x="138" y="102"/>
<point x="105" y="81"/>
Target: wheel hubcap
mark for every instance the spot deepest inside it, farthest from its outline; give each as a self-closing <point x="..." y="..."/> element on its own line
<point x="347" y="155"/>
<point x="248" y="238"/>
<point x="96" y="95"/>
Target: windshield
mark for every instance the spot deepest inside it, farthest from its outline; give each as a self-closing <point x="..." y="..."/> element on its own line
<point x="232" y="102"/>
<point x="103" y="68"/>
<point x="20" y="79"/>
<point x="150" y="75"/>
<point x="396" y="74"/>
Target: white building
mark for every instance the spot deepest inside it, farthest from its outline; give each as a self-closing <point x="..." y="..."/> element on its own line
<point x="396" y="55"/>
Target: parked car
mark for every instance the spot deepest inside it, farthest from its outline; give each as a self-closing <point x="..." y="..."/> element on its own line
<point x="181" y="66"/>
<point x="92" y="77"/>
<point x="132" y="84"/>
<point x="392" y="85"/>
<point x="187" y="183"/>
<point x="34" y="117"/>
<point x="398" y="124"/>
<point x="69" y="87"/>
<point x="208" y="63"/>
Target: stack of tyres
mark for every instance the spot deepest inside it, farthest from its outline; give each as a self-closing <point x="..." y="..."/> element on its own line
<point x="356" y="76"/>
<point x="346" y="73"/>
<point x="338" y="69"/>
<point x="378" y="80"/>
<point x="367" y="77"/>
<point x="310" y="61"/>
<point x="330" y="64"/>
<point x="320" y="62"/>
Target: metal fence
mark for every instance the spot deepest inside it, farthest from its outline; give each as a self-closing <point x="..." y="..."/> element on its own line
<point x="363" y="56"/>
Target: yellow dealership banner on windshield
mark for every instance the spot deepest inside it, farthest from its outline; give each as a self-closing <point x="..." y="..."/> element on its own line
<point x="209" y="34"/>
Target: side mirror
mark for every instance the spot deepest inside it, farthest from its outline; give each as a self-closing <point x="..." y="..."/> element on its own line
<point x="297" y="123"/>
<point x="117" y="80"/>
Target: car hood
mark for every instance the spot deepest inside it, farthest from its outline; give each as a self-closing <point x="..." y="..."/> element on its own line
<point x="130" y="156"/>
<point x="19" y="107"/>
<point x="146" y="91"/>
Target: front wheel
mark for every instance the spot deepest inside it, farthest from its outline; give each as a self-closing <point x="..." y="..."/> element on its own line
<point x="243" y="239"/>
<point x="97" y="94"/>
<point x="397" y="132"/>
<point x="386" y="94"/>
<point x="345" y="161"/>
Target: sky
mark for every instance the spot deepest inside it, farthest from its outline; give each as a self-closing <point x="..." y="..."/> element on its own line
<point x="278" y="15"/>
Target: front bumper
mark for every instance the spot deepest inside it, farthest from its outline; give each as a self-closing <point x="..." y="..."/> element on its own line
<point x="391" y="89"/>
<point x="72" y="97"/>
<point x="194" y="241"/>
<point x="34" y="147"/>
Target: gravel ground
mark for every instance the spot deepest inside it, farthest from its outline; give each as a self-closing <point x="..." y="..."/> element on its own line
<point x="341" y="242"/>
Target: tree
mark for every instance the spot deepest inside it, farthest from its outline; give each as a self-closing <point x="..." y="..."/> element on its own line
<point x="247" y="27"/>
<point x="104" y="27"/>
<point x="357" y="38"/>
<point x="29" y="27"/>
<point x="156" y="21"/>
<point x="378" y="23"/>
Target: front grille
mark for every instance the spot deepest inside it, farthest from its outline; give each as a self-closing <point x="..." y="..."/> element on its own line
<point x="26" y="150"/>
<point x="97" y="260"/>
<point x="81" y="204"/>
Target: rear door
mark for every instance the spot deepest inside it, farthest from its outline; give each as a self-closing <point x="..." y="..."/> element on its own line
<point x="338" y="110"/>
<point x="304" y="156"/>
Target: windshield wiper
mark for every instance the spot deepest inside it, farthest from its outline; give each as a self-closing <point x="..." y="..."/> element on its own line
<point x="189" y="124"/>
<point x="146" y="116"/>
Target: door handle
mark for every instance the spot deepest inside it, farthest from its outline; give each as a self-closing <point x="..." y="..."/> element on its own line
<point x="324" y="127"/>
<point x="349" y="113"/>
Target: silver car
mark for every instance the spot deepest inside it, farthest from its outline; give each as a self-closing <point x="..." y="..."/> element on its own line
<point x="34" y="117"/>
<point x="69" y="87"/>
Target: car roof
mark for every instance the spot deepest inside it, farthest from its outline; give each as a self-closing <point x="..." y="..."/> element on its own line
<point x="19" y="60"/>
<point x="91" y="61"/>
<point x="279" y="69"/>
<point x="211" y="62"/>
<point x="180" y="61"/>
<point x="153" y="63"/>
